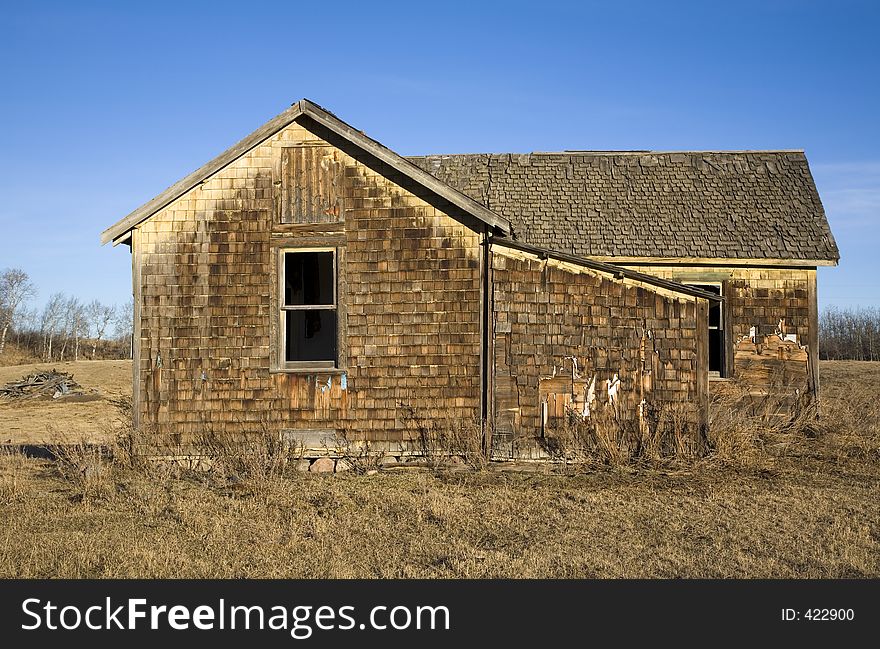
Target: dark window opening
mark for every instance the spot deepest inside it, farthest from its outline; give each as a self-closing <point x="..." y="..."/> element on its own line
<point x="308" y="309"/>
<point x="716" y="332"/>
<point x="716" y="351"/>
<point x="308" y="278"/>
<point x="311" y="335"/>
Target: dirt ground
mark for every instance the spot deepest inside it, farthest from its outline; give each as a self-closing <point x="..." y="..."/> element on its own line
<point x="42" y="421"/>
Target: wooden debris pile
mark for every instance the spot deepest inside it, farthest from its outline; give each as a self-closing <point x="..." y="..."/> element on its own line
<point x="52" y="384"/>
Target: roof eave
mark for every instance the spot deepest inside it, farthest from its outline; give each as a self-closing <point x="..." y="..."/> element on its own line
<point x="611" y="269"/>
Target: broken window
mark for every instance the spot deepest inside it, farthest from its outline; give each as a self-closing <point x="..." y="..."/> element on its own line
<point x="308" y="308"/>
<point x="716" y="332"/>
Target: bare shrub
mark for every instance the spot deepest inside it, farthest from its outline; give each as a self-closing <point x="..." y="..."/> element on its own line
<point x="440" y="441"/>
<point x="732" y="438"/>
<point x="128" y="444"/>
<point x="749" y="427"/>
<point x="255" y="457"/>
<point x="677" y="433"/>
<point x="850" y="420"/>
<point x="359" y="455"/>
<point x="596" y="439"/>
<point x="13" y="464"/>
<point x="84" y="465"/>
<point x="607" y="438"/>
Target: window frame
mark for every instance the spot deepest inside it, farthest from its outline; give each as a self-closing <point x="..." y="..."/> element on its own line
<point x="283" y="363"/>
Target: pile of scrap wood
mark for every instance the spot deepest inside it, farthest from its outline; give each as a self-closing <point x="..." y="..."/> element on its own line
<point x="42" y="384"/>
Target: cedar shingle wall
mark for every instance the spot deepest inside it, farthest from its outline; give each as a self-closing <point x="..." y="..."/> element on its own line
<point x="762" y="297"/>
<point x="409" y="283"/>
<point x="759" y="297"/>
<point x="545" y="312"/>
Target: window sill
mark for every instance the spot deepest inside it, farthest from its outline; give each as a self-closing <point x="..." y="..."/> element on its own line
<point x="307" y="370"/>
<point x="720" y="379"/>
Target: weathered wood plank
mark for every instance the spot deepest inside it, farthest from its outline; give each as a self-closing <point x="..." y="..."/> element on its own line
<point x="813" y="335"/>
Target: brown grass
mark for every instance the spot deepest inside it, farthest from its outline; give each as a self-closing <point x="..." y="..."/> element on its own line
<point x="15" y="355"/>
<point x="796" y="502"/>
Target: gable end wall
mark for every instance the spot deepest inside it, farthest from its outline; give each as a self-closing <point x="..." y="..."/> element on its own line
<point x="409" y="299"/>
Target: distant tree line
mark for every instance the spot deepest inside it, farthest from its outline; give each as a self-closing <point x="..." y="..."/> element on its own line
<point x="850" y="334"/>
<point x="65" y="328"/>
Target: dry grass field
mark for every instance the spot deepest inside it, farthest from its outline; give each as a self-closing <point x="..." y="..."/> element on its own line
<point x="802" y="502"/>
<point x="41" y="421"/>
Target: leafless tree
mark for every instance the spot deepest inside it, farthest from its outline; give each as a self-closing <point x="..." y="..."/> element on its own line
<point x="16" y="288"/>
<point x="99" y="316"/>
<point x="75" y="326"/>
<point x="124" y="324"/>
<point x="50" y="321"/>
<point x="27" y="322"/>
<point x="850" y="334"/>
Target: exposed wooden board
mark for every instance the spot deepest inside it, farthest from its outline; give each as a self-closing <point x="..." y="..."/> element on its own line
<point x="702" y="276"/>
<point x="308" y="240"/>
<point x="702" y="361"/>
<point x="504" y="394"/>
<point x="302" y="143"/>
<point x="137" y="297"/>
<point x="813" y="336"/>
<point x="727" y="324"/>
<point x="276" y="353"/>
<point x="772" y="365"/>
<point x="125" y="237"/>
<point x="487" y="344"/>
<point x="342" y="308"/>
<point x="311" y="186"/>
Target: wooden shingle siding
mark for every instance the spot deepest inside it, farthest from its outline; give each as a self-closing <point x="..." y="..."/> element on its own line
<point x="760" y="298"/>
<point x="467" y="287"/>
<point x="409" y="287"/>
<point x="548" y="316"/>
<point x="311" y="184"/>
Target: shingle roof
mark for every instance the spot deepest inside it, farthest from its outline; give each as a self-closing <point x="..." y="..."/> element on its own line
<point x="734" y="204"/>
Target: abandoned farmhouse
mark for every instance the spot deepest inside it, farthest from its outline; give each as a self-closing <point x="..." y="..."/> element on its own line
<point x="312" y="281"/>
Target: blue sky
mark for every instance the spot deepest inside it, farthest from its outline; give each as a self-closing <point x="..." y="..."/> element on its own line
<point x="106" y="104"/>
